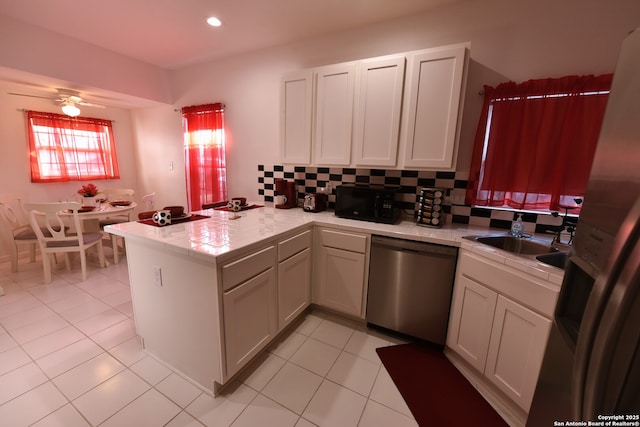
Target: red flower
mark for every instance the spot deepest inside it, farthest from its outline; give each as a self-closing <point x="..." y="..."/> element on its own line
<point x="88" y="190"/>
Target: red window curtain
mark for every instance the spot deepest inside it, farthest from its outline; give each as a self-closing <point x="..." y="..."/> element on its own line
<point x="205" y="164"/>
<point x="63" y="148"/>
<point x="535" y="142"/>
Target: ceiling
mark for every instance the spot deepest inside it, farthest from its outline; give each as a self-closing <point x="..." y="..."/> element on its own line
<point x="173" y="33"/>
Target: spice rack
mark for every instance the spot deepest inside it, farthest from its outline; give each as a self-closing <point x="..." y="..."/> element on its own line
<point x="430" y="212"/>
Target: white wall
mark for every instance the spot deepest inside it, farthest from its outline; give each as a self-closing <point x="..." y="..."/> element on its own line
<point x="35" y="50"/>
<point x="158" y="136"/>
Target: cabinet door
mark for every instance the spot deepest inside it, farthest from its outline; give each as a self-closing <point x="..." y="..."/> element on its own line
<point x="340" y="280"/>
<point x="294" y="287"/>
<point x="379" y="102"/>
<point x="471" y="319"/>
<point x="250" y="319"/>
<point x="518" y="342"/>
<point x="431" y="128"/>
<point x="296" y="103"/>
<point x="334" y="114"/>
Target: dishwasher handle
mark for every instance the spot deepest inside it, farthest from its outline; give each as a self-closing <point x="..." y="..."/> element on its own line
<point x="413" y="246"/>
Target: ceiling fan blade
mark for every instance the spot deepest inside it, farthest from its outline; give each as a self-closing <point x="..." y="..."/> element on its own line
<point x="64" y="95"/>
<point x="89" y="104"/>
<point x="30" y="96"/>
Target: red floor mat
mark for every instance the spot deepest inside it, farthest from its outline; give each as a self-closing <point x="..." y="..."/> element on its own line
<point x="435" y="391"/>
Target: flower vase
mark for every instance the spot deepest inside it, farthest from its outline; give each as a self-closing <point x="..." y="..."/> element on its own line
<point x="89" y="201"/>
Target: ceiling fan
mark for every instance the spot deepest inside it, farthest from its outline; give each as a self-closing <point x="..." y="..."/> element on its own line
<point x="68" y="99"/>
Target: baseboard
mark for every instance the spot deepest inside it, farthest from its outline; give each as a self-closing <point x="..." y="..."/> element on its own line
<point x="508" y="410"/>
<point x="338" y="315"/>
<point x="21" y="256"/>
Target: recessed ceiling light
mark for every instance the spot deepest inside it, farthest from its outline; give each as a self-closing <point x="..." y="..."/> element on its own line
<point x="214" y="22"/>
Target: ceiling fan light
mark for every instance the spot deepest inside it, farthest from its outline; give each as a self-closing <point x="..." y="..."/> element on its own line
<point x="70" y="109"/>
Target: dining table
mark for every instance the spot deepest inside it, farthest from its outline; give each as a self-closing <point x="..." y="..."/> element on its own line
<point x="91" y="217"/>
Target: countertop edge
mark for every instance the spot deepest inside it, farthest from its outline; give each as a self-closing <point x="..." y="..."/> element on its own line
<point x="221" y="238"/>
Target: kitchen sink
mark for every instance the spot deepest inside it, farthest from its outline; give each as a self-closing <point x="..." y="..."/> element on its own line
<point x="516" y="245"/>
<point x="557" y="259"/>
<point x="526" y="247"/>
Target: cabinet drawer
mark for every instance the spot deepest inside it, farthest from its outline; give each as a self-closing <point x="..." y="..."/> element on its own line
<point x="293" y="245"/>
<point x="343" y="240"/>
<point x="245" y="268"/>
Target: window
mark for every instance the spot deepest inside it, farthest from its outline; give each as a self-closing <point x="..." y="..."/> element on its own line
<point x="205" y="164"/>
<point x="535" y="143"/>
<point x="63" y="148"/>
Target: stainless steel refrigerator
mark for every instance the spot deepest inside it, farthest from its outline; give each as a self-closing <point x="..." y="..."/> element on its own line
<point x="591" y="367"/>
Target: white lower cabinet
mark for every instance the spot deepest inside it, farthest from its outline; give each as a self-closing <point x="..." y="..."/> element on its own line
<point x="340" y="278"/>
<point x="250" y="306"/>
<point x="516" y="350"/>
<point x="341" y="271"/>
<point x="263" y="292"/>
<point x="499" y="325"/>
<point x="294" y="277"/>
<point x="294" y="287"/>
<point x="249" y="319"/>
<point x="473" y="308"/>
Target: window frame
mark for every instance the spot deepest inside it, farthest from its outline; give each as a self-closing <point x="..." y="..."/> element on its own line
<point x="63" y="148"/>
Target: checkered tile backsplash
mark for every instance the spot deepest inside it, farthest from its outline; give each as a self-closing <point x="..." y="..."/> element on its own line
<point x="309" y="179"/>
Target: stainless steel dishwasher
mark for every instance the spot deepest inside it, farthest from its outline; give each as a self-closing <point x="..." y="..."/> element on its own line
<point x="410" y="287"/>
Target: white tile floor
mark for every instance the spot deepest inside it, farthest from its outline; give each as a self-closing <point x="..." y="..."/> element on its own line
<point x="69" y="356"/>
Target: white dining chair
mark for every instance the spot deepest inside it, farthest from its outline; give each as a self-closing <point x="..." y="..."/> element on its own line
<point x="116" y="195"/>
<point x="149" y="201"/>
<point x="14" y="223"/>
<point x="55" y="237"/>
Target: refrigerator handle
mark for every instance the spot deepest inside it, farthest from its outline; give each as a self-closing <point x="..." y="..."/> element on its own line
<point x="623" y="245"/>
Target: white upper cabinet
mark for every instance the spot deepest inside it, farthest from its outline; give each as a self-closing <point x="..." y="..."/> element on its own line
<point x="396" y="111"/>
<point x="334" y="114"/>
<point x="378" y="107"/>
<point x="296" y="101"/>
<point x="433" y="101"/>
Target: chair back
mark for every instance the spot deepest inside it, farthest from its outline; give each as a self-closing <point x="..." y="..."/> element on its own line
<point x="50" y="226"/>
<point x="12" y="210"/>
<point x="15" y="227"/>
<point x="118" y="194"/>
<point x="149" y="201"/>
<point x="48" y="220"/>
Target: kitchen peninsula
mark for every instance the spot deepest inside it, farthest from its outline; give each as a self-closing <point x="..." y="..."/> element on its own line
<point x="209" y="295"/>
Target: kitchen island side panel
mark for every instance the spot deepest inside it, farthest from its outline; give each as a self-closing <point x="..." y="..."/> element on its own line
<point x="176" y="306"/>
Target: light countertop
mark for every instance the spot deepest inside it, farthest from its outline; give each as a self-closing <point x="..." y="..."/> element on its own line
<point x="220" y="236"/>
